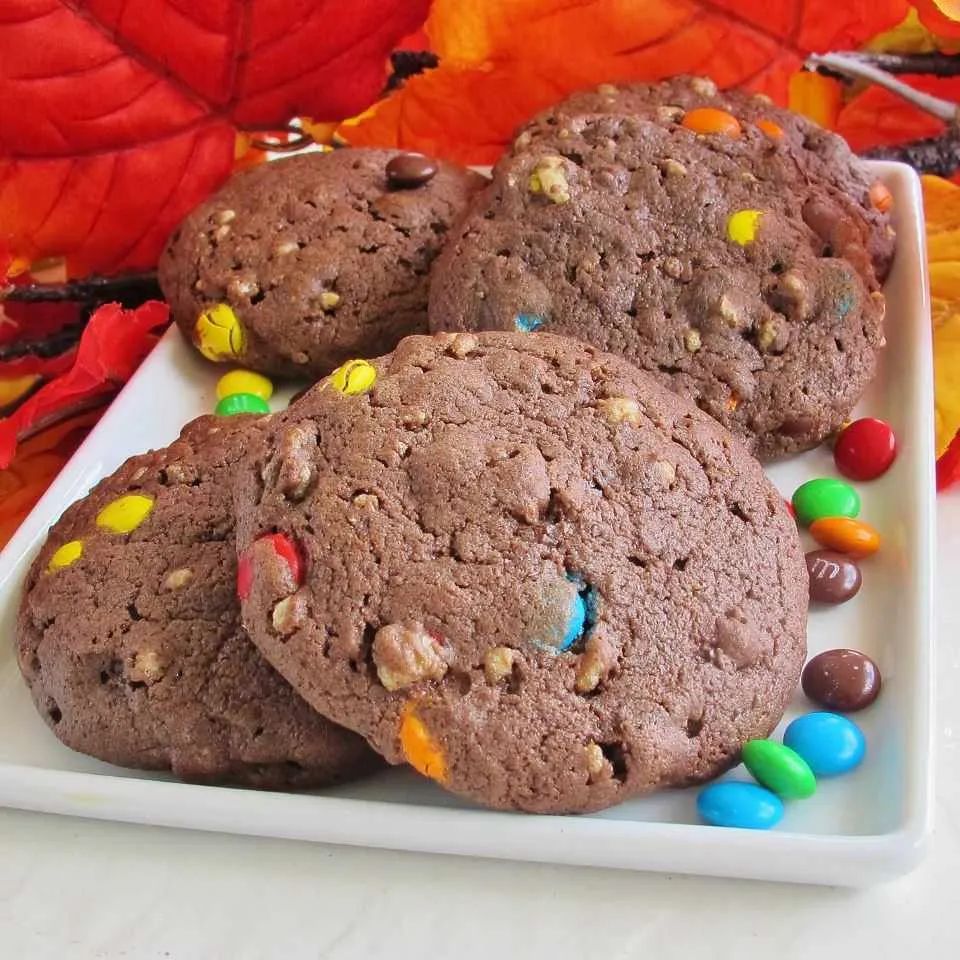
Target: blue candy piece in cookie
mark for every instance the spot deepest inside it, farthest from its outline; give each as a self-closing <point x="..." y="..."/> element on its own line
<point x="527" y="322"/>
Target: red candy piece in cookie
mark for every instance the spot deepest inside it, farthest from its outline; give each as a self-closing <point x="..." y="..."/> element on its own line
<point x="284" y="547"/>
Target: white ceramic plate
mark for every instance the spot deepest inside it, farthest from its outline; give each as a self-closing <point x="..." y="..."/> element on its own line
<point x="857" y="829"/>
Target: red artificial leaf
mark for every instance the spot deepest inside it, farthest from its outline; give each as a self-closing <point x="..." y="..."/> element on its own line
<point x="116" y="118"/>
<point x="948" y="466"/>
<point x="941" y="17"/>
<point x="503" y="60"/>
<point x="111" y="348"/>
<point x="877" y="117"/>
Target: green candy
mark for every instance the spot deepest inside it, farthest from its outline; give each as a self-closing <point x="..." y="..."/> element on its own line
<point x="236" y="403"/>
<point x="825" y="497"/>
<point x="779" y="769"/>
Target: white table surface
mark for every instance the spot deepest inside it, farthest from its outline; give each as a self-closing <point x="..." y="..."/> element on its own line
<point x="85" y="889"/>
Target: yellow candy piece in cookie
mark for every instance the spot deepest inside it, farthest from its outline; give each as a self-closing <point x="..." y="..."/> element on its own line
<point x="63" y="556"/>
<point x="419" y="748"/>
<point x="125" y="514"/>
<point x="219" y="334"/>
<point x="743" y="225"/>
<point x="354" y="377"/>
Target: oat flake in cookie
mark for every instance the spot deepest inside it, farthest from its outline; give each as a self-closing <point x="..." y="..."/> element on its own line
<point x="656" y="243"/>
<point x="302" y="263"/>
<point x="524" y="567"/>
<point x="842" y="203"/>
<point x="129" y="633"/>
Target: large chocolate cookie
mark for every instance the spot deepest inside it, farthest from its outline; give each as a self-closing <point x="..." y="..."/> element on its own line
<point x="524" y="567"/>
<point x="653" y="242"/>
<point x="843" y="203"/>
<point x="129" y="633"/>
<point x="300" y="264"/>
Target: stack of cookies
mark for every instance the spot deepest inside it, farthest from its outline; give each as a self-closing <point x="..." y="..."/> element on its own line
<point x="532" y="555"/>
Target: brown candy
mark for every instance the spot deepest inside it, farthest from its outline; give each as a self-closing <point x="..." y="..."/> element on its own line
<point x="410" y="170"/>
<point x="844" y="680"/>
<point x="834" y="578"/>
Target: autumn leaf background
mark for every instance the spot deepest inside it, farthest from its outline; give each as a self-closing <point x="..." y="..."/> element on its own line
<point x="117" y="118"/>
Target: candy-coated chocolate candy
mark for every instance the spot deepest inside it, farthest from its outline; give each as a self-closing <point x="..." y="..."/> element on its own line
<point x="854" y="537"/>
<point x="737" y="804"/>
<point x="779" y="769"/>
<point x="409" y="170"/>
<point x="527" y="322"/>
<point x="418" y="746"/>
<point x="830" y="744"/>
<point x="244" y="381"/>
<point x="773" y="130"/>
<point x="743" y="225"/>
<point x="283" y="546"/>
<point x="825" y="497"/>
<point x="575" y="623"/>
<point x="880" y="197"/>
<point x="834" y="577"/>
<point x="64" y="555"/>
<point x="865" y="449"/>
<point x="126" y="513"/>
<point x="354" y="377"/>
<point x="844" y="680"/>
<point x="219" y="334"/>
<point x="237" y="403"/>
<point x="711" y="120"/>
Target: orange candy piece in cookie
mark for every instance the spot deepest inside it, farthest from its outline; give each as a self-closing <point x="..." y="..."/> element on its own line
<point x="880" y="197"/>
<point x="773" y="130"/>
<point x="712" y="120"/>
<point x="419" y="748"/>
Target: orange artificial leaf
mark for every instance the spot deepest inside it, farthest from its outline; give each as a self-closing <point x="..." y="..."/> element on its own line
<point x="877" y="117"/>
<point x="941" y="201"/>
<point x="816" y="96"/>
<point x="502" y="60"/>
<point x="38" y="461"/>
<point x="117" y="118"/>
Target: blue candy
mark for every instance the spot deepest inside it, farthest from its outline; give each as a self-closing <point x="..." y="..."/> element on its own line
<point x="576" y="623"/>
<point x="734" y="803"/>
<point x="831" y="744"/>
<point x="527" y="322"/>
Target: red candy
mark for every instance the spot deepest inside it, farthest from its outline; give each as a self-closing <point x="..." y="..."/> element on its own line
<point x="865" y="449"/>
<point x="284" y="548"/>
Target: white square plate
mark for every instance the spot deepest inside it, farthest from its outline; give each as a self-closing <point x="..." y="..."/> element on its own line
<point x="857" y="829"/>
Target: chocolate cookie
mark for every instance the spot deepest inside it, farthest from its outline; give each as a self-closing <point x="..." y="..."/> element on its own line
<point x="525" y="568"/>
<point x="129" y="632"/>
<point x="653" y="242"/>
<point x="302" y="263"/>
<point x="840" y="201"/>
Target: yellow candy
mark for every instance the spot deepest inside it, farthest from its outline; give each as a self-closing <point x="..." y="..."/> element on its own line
<point x="218" y="334"/>
<point x="63" y="556"/>
<point x="743" y="225"/>
<point x="125" y="514"/>
<point x="355" y="376"/>
<point x="419" y="749"/>
<point x="244" y="381"/>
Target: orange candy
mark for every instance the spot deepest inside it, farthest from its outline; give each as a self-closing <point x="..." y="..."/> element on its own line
<point x="881" y="197"/>
<point x="712" y="120"/>
<point x="772" y="130"/>
<point x="853" y="537"/>
<point x="419" y="748"/>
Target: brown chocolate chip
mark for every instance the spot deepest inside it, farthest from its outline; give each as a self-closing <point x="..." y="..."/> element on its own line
<point x="844" y="680"/>
<point x="410" y="170"/>
<point x="834" y="578"/>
